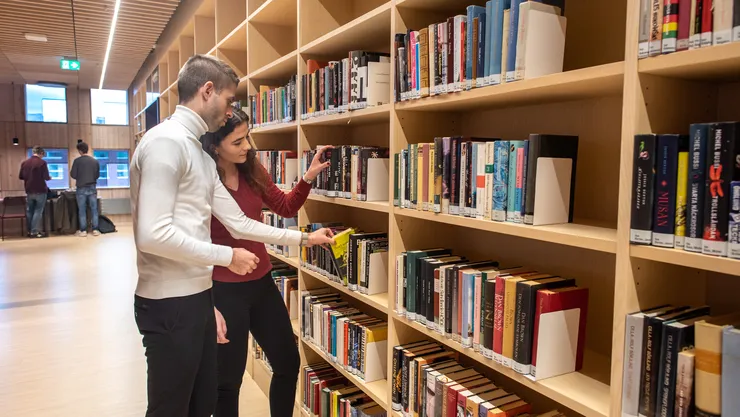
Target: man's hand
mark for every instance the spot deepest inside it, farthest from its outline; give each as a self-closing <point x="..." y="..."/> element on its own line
<point x="321" y="237"/>
<point x="316" y="165"/>
<point x="220" y="328"/>
<point x="243" y="261"/>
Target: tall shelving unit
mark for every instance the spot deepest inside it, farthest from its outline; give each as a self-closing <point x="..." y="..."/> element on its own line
<point x="605" y="96"/>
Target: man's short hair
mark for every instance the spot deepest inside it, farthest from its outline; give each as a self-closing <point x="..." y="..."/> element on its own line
<point x="83" y="147"/>
<point x="38" y="150"/>
<point x="199" y="70"/>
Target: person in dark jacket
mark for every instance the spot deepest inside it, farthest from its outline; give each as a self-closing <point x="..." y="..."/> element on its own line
<point x="86" y="171"/>
<point x="34" y="173"/>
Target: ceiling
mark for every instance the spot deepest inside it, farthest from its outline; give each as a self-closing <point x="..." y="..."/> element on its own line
<point x="140" y="22"/>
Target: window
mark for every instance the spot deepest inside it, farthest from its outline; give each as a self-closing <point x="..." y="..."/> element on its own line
<point x="109" y="107"/>
<point x="58" y="162"/>
<point x="113" y="168"/>
<point x="46" y="104"/>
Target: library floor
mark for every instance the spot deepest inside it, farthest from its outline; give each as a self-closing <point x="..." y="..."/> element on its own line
<point x="68" y="341"/>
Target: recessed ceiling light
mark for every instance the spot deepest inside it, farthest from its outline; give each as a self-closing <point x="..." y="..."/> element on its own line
<point x="110" y="42"/>
<point x="35" y="37"/>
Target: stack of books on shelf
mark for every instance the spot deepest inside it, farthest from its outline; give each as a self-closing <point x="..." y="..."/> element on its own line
<point x="686" y="190"/>
<point x="356" y="260"/>
<point x="354" y="341"/>
<point x="272" y="219"/>
<point x="359" y="81"/>
<point x="286" y="280"/>
<point x="506" y="41"/>
<point x="513" y="315"/>
<point x="326" y="393"/>
<point x="679" y="361"/>
<point x="273" y="105"/>
<point x="282" y="166"/>
<point x="259" y="354"/>
<point x="521" y="181"/>
<point x="428" y="380"/>
<point x="357" y="172"/>
<point x="668" y="26"/>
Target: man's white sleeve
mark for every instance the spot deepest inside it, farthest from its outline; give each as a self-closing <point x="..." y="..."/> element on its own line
<point x="162" y="166"/>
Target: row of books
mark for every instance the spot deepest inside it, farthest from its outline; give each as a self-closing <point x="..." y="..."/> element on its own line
<point x="668" y="26"/>
<point x="274" y="220"/>
<point x="327" y="393"/>
<point x="428" y="381"/>
<point x="522" y="181"/>
<point x="273" y="105"/>
<point x="513" y="315"/>
<point x="508" y="40"/>
<point x="354" y="341"/>
<point x="286" y="280"/>
<point x="679" y="361"/>
<point x="357" y="260"/>
<point x="686" y="190"/>
<point x="359" y="81"/>
<point x="281" y="166"/>
<point x="356" y="172"/>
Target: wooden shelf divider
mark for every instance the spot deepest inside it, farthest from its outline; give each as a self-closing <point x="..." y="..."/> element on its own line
<point x="377" y="301"/>
<point x="381" y="206"/>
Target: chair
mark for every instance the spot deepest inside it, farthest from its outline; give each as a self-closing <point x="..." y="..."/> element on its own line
<point x="13" y="208"/>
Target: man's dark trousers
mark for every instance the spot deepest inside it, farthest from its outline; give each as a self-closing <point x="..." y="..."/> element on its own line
<point x="179" y="335"/>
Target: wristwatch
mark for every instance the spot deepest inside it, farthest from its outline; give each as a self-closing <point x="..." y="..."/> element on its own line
<point x="304" y="239"/>
<point x="309" y="182"/>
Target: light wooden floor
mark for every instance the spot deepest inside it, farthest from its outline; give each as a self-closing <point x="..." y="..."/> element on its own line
<point x="68" y="341"/>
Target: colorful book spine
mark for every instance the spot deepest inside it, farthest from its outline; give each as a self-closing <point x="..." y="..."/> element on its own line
<point x="656" y="27"/>
<point x="512" y="206"/>
<point x="500" y="180"/>
<point x="698" y="138"/>
<point x="665" y="195"/>
<point x="733" y="230"/>
<point x="707" y="23"/>
<point x="643" y="189"/>
<point x="489" y="163"/>
<point x="681" y="181"/>
<point x="644" y="33"/>
<point x="497" y="36"/>
<point x="695" y="24"/>
<point x="722" y="152"/>
<point x="684" y="24"/>
<point x="468" y="306"/>
<point x="670" y="26"/>
<point x="484" y="79"/>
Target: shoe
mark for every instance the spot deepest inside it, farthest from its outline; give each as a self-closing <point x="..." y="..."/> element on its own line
<point x="95" y="233"/>
<point x="38" y="236"/>
<point x="81" y="234"/>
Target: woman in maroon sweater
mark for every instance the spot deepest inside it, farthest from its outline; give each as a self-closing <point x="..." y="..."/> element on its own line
<point x="252" y="302"/>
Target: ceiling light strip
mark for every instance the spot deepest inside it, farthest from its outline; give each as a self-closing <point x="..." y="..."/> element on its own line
<point x="110" y="42"/>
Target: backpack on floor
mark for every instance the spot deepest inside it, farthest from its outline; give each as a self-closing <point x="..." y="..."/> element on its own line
<point x="105" y="225"/>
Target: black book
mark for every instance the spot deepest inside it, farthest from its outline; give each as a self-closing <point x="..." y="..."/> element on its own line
<point x="722" y="168"/>
<point x="698" y="140"/>
<point x="407" y="358"/>
<point x="421" y="275"/>
<point x="429" y="265"/>
<point x="446" y="174"/>
<point x="396" y="371"/>
<point x="526" y="306"/>
<point x="397" y="44"/>
<point x="469" y="187"/>
<point x="438" y="177"/>
<point x="352" y="252"/>
<point x="488" y="305"/>
<point x="548" y="146"/>
<point x="664" y="213"/>
<point x="643" y="189"/>
<point x="652" y="346"/>
<point x="677" y="336"/>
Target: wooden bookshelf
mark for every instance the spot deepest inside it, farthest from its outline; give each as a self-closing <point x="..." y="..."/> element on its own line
<point x="605" y="95"/>
<point x="377" y="390"/>
<point x="377" y="301"/>
<point x="381" y="206"/>
<point x="294" y="262"/>
<point x="576" y="391"/>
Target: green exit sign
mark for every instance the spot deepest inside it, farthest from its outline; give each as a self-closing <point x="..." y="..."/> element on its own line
<point x="69" y="64"/>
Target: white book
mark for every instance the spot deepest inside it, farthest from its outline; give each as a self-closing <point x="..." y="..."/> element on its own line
<point x="722" y="25"/>
<point x="557" y="344"/>
<point x="377" y="179"/>
<point x="442" y="88"/>
<point x="378" y="83"/>
<point x="632" y="364"/>
<point x="644" y="37"/>
<point x="377" y="282"/>
<point x="432" y="43"/>
<point x="552" y="194"/>
<point x="400" y="284"/>
<point x="458" y="59"/>
<point x="543" y="44"/>
<point x="376" y="354"/>
<point x="353" y="175"/>
<point x="524" y="9"/>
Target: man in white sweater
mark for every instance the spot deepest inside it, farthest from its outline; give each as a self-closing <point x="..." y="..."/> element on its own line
<point x="174" y="191"/>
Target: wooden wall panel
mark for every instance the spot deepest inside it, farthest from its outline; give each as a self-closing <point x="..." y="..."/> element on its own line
<point x="51" y="135"/>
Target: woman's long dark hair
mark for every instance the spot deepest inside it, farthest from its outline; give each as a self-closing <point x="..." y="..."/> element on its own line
<point x="252" y="170"/>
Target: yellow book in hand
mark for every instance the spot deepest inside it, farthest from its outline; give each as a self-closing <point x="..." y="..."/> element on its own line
<point x="340" y="251"/>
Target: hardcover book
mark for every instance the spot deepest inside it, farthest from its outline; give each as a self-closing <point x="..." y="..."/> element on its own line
<point x="500" y="180"/>
<point x="730" y="371"/>
<point x="698" y="139"/>
<point x="722" y="168"/>
<point x="709" y="353"/>
<point x="664" y="214"/>
<point x="643" y="189"/>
